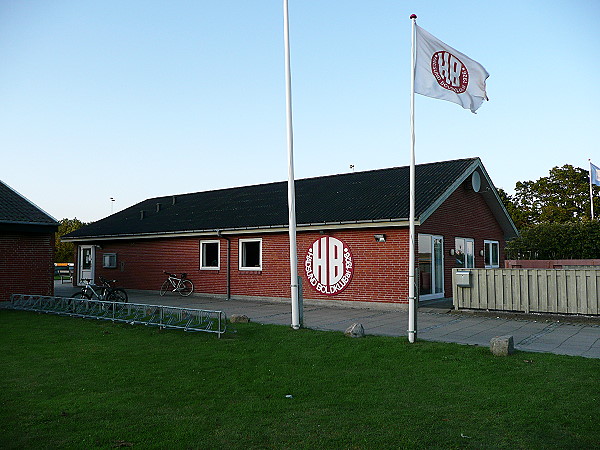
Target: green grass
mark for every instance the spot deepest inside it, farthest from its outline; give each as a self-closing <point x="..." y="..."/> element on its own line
<point x="74" y="383"/>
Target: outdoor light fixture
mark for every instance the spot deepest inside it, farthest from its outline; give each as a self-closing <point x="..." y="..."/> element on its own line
<point x="480" y="252"/>
<point x="452" y="251"/>
<point x="379" y="238"/>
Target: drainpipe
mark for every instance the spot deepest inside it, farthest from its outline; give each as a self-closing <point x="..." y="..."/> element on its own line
<point x="220" y="235"/>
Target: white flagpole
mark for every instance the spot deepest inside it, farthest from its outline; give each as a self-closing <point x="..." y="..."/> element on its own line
<point x="412" y="304"/>
<point x="291" y="190"/>
<point x="591" y="191"/>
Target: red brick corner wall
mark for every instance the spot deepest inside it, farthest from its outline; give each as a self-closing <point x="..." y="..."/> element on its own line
<point x="26" y="264"/>
<point x="464" y="214"/>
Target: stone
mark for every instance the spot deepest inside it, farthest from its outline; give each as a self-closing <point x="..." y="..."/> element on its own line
<point x="502" y="345"/>
<point x="239" y="318"/>
<point x="355" y="330"/>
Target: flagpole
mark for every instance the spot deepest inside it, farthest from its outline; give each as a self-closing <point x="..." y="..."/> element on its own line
<point x="291" y="189"/>
<point x="591" y="191"/>
<point x="412" y="305"/>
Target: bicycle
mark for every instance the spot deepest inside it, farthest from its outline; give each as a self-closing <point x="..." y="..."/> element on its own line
<point x="173" y="284"/>
<point x="105" y="291"/>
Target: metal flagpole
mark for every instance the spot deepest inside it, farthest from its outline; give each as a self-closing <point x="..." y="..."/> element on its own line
<point x="412" y="304"/>
<point x="591" y="191"/>
<point x="291" y="190"/>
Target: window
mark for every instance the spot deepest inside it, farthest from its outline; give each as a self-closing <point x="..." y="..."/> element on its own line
<point x="250" y="254"/>
<point x="492" y="254"/>
<point x="86" y="258"/>
<point x="209" y="255"/>
<point x="109" y="260"/>
<point x="464" y="252"/>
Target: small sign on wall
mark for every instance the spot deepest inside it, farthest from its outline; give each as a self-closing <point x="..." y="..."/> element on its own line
<point x="329" y="265"/>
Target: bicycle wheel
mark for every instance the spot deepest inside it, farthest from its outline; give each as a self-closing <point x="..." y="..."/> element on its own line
<point x="186" y="288"/>
<point x="117" y="295"/>
<point x="81" y="295"/>
<point x="166" y="287"/>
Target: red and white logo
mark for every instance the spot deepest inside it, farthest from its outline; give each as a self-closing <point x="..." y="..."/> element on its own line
<point x="450" y="72"/>
<point x="328" y="265"/>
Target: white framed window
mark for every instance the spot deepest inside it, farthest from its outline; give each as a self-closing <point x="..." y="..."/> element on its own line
<point x="109" y="260"/>
<point x="210" y="255"/>
<point x="250" y="251"/>
<point x="464" y="252"/>
<point x="492" y="254"/>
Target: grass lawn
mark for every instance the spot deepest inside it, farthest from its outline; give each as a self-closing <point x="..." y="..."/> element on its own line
<point x="75" y="383"/>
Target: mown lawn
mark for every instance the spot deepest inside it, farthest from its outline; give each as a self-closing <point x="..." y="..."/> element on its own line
<point x="74" y="383"/>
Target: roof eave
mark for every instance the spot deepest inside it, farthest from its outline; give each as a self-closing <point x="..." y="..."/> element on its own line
<point x="374" y="223"/>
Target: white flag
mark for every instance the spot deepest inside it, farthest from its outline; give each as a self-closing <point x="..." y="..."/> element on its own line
<point x="445" y="73"/>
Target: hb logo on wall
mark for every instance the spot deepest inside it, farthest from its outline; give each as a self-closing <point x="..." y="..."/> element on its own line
<point x="328" y="265"/>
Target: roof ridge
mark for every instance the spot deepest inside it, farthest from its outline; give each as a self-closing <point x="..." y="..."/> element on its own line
<point x="370" y="171"/>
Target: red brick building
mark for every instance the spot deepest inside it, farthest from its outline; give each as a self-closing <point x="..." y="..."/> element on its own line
<point x="352" y="236"/>
<point x="26" y="246"/>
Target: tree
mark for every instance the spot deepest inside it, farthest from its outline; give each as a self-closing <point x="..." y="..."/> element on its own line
<point x="520" y="218"/>
<point x="66" y="250"/>
<point x="557" y="241"/>
<point x="561" y="197"/>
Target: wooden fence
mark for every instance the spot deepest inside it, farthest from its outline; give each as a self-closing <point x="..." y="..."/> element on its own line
<point x="561" y="291"/>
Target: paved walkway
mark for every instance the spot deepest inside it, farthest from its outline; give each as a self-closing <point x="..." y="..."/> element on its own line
<point x="530" y="333"/>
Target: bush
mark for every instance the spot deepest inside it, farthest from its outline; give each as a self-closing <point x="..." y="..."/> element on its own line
<point x="557" y="241"/>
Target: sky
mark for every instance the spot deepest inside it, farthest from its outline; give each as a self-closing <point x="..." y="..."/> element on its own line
<point x="136" y="99"/>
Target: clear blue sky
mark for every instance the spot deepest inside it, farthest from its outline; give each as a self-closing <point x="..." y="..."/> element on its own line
<point x="136" y="99"/>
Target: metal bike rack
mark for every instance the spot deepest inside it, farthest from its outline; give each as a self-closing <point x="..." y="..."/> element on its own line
<point x="134" y="313"/>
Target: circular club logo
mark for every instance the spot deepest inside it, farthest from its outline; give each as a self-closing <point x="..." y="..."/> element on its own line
<point x="450" y="72"/>
<point x="329" y="265"/>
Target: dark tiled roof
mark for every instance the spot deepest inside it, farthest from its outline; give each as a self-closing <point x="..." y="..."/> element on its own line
<point x="17" y="212"/>
<point x="376" y="195"/>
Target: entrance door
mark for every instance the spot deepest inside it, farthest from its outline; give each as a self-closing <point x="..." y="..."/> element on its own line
<point x="86" y="263"/>
<point x="431" y="267"/>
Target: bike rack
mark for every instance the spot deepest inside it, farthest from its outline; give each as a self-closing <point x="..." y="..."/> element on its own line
<point x="186" y="319"/>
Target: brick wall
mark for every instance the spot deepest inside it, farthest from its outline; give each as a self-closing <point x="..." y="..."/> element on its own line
<point x="378" y="274"/>
<point x="26" y="264"/>
<point x="549" y="263"/>
<point x="464" y="214"/>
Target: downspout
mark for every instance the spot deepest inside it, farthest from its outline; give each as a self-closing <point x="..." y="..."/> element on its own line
<point x="220" y="235"/>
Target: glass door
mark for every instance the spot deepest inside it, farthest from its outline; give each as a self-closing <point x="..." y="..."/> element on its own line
<point x="431" y="266"/>
<point x="86" y="263"/>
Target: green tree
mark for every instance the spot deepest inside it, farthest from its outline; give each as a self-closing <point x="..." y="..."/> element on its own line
<point x="65" y="250"/>
<point x="520" y="218"/>
<point x="561" y="197"/>
<point x="557" y="241"/>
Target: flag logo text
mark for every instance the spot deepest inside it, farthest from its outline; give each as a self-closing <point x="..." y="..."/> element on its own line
<point x="450" y="72"/>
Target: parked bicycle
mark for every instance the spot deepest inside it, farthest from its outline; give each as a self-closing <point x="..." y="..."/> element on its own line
<point x="103" y="292"/>
<point x="174" y="284"/>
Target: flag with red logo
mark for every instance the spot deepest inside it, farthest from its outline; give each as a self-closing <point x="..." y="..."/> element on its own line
<point x="445" y="73"/>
